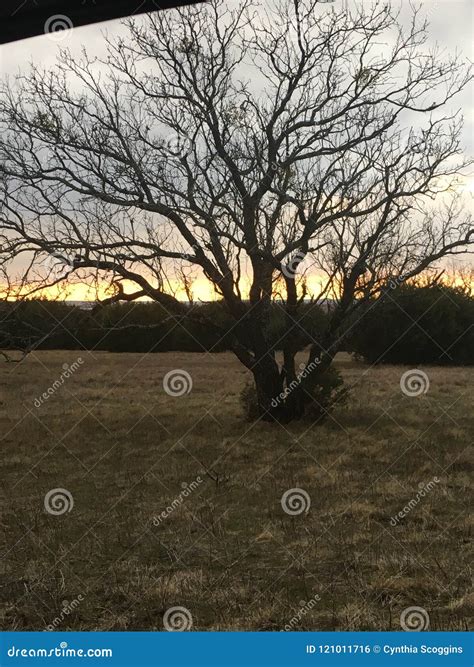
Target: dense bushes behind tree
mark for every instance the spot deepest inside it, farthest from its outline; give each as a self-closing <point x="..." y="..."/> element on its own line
<point x="416" y="325"/>
<point x="411" y="325"/>
<point x="34" y="323"/>
<point x="142" y="327"/>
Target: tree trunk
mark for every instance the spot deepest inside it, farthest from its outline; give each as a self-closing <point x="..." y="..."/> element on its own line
<point x="269" y="387"/>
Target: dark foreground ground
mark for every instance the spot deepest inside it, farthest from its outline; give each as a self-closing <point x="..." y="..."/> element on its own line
<point x="176" y="501"/>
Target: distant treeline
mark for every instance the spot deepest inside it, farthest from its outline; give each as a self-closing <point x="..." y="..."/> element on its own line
<point x="412" y="325"/>
<point x="142" y="327"/>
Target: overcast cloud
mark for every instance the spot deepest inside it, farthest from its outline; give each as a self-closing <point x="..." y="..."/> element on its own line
<point x="451" y="25"/>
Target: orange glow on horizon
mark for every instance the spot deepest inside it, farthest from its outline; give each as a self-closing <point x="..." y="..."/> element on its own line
<point x="201" y="290"/>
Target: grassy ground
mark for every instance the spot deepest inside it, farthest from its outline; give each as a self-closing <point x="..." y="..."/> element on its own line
<point x="227" y="551"/>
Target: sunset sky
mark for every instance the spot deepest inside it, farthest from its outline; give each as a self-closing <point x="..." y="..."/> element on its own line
<point x="451" y="25"/>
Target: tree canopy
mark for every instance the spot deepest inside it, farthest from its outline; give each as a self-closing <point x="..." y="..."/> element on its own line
<point x="248" y="143"/>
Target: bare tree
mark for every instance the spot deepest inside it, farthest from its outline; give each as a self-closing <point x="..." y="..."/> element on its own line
<point x="248" y="140"/>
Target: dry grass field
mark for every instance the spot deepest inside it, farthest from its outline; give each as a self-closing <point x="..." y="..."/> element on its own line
<point x="225" y="549"/>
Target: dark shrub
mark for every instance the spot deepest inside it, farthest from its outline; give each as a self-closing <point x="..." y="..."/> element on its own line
<point x="416" y="325"/>
<point x="144" y="327"/>
<point x="42" y="323"/>
<point x="327" y="394"/>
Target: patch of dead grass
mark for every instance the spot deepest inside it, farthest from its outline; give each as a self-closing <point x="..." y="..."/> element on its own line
<point x="228" y="552"/>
